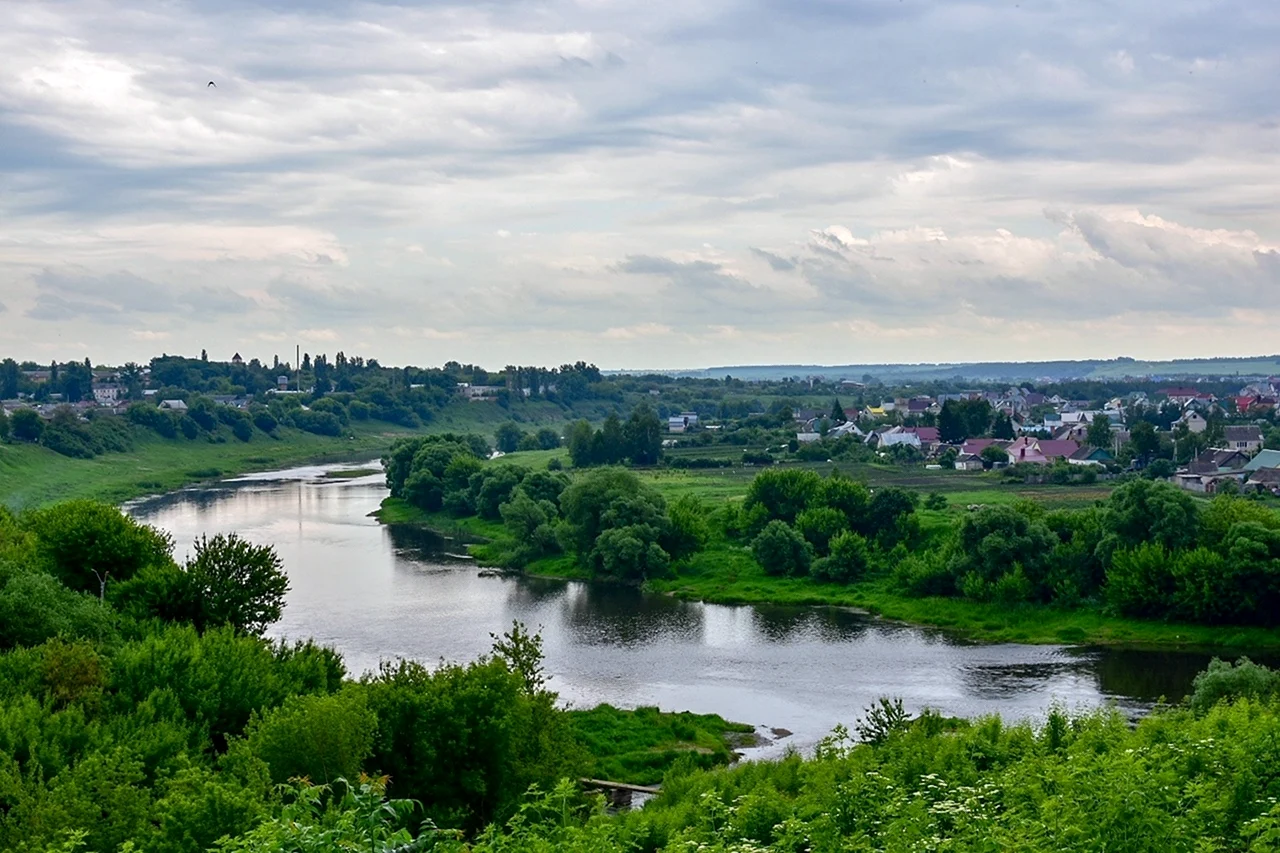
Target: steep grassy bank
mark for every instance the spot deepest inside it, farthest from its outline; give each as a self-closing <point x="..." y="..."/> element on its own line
<point x="32" y="476"/>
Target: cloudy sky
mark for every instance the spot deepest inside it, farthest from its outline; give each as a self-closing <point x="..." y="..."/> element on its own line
<point x="656" y="183"/>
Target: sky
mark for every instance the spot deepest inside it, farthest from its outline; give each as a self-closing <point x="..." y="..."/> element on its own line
<point x="666" y="183"/>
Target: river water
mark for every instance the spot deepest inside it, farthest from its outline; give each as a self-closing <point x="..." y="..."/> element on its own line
<point x="377" y="593"/>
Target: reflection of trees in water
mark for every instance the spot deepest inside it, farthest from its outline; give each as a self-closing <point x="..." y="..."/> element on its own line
<point x="1149" y="675"/>
<point x="1000" y="680"/>
<point x="202" y="498"/>
<point x="526" y="594"/>
<point x="605" y="614"/>
<point x="828" y="624"/>
<point x="415" y="541"/>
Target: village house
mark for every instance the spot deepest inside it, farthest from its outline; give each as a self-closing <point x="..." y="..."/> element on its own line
<point x="1086" y="455"/>
<point x="1245" y="438"/>
<point x="173" y="405"/>
<point x="1194" y="421"/>
<point x="106" y="395"/>
<point x="1040" y="451"/>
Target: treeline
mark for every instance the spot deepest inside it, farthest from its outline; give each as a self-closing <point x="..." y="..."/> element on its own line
<point x="1150" y="550"/>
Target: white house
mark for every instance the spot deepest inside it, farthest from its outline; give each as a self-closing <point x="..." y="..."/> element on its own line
<point x="106" y="395"/>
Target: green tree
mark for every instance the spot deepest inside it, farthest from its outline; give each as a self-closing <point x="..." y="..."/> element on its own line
<point x="234" y="582"/>
<point x="1144" y="511"/>
<point x="993" y="454"/>
<point x="26" y="425"/>
<point x="548" y="439"/>
<point x="578" y="439"/>
<point x="642" y="434"/>
<point x="1002" y="427"/>
<point x="781" y="550"/>
<point x="848" y="561"/>
<point x="4" y="426"/>
<point x="507" y="437"/>
<point x="837" y="412"/>
<point x="819" y="524"/>
<point x="1143" y="440"/>
<point x="1099" y="434"/>
<point x="10" y="376"/>
<point x="951" y="424"/>
<point x="780" y="494"/>
<point x="86" y="544"/>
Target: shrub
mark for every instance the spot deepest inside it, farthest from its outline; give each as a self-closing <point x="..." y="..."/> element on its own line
<point x="848" y="561"/>
<point x="781" y="550"/>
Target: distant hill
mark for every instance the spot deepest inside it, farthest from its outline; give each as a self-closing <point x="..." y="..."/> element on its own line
<point x="1001" y="371"/>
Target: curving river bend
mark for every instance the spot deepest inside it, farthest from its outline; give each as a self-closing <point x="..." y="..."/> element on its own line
<point x="377" y="592"/>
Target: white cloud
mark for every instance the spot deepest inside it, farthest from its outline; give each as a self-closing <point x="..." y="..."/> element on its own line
<point x="601" y="180"/>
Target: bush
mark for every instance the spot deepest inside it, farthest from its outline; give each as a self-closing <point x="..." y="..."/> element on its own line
<point x="25" y="425"/>
<point x="1223" y="682"/>
<point x="321" y="738"/>
<point x="781" y="550"/>
<point x="848" y="561"/>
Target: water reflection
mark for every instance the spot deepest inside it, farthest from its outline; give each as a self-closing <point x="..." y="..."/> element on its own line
<point x="626" y="617"/>
<point x="823" y="624"/>
<point x="378" y="592"/>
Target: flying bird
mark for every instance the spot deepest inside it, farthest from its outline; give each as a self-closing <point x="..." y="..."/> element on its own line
<point x="211" y="83"/>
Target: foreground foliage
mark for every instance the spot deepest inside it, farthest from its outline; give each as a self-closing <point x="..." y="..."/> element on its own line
<point x="1188" y="779"/>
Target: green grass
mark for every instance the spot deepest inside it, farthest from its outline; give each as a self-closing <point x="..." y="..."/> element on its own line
<point x="350" y="473"/>
<point x="32" y="476"/>
<point x="639" y="746"/>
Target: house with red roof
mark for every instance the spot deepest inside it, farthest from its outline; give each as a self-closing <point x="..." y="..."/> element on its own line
<point x="1040" y="451"/>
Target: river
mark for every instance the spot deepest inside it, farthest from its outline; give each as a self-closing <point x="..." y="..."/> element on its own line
<point x="377" y="593"/>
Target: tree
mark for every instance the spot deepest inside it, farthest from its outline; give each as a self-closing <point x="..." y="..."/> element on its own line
<point x="10" y="377"/>
<point x="780" y="494"/>
<point x="234" y="582"/>
<point x="26" y="425"/>
<point x="781" y="550"/>
<point x="4" y="426"/>
<point x="548" y="439"/>
<point x="819" y="524"/>
<point x="643" y="436"/>
<point x="837" y="412"/>
<point x="1146" y="511"/>
<point x="507" y="437"/>
<point x="578" y="438"/>
<point x="1002" y="427"/>
<point x="1143" y="440"/>
<point x="204" y="355"/>
<point x="85" y="544"/>
<point x="1099" y="434"/>
<point x="848" y="561"/>
<point x="951" y="425"/>
<point x="993" y="454"/>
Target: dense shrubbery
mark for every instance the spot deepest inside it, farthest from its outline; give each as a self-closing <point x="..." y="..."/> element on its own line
<point x="1185" y="779"/>
<point x="611" y="523"/>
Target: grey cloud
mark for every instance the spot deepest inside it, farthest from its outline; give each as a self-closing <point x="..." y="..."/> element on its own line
<point x="776" y="262"/>
<point x="51" y="307"/>
<point x="62" y="293"/>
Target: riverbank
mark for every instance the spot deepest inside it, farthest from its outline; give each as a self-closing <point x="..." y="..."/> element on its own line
<point x="724" y="573"/>
<point x="33" y="476"/>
